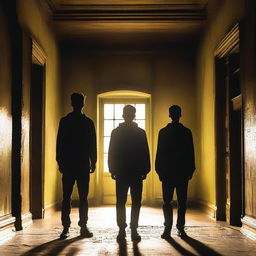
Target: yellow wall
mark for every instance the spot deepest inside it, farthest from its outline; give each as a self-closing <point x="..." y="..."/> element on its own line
<point x="222" y="16"/>
<point x="35" y="23"/>
<point x="168" y="76"/>
<point x="5" y="116"/>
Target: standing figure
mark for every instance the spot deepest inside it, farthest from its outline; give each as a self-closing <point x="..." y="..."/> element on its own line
<point x="129" y="163"/>
<point x="175" y="165"/>
<point x="76" y="156"/>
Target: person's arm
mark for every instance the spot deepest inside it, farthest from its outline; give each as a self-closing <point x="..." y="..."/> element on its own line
<point x="59" y="146"/>
<point x="159" y="155"/>
<point x="191" y="155"/>
<point x="146" y="158"/>
<point x="112" y="155"/>
<point x="93" y="147"/>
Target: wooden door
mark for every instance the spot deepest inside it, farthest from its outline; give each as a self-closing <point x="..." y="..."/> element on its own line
<point x="36" y="136"/>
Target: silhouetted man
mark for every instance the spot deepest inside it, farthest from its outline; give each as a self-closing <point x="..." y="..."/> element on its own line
<point x="129" y="163"/>
<point x="175" y="165"/>
<point x="76" y="157"/>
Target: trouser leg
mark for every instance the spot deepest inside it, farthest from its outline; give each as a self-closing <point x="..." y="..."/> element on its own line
<point x="136" y="194"/>
<point x="68" y="182"/>
<point x="121" y="198"/>
<point x="181" y="190"/>
<point x="83" y="189"/>
<point x="167" y="189"/>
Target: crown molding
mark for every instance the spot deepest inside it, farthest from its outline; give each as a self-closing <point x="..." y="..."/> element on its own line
<point x="125" y="12"/>
<point x="230" y="40"/>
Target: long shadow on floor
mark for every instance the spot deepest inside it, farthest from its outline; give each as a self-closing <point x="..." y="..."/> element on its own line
<point x="201" y="248"/>
<point x="122" y="248"/>
<point x="54" y="247"/>
<point x="136" y="250"/>
<point x="179" y="248"/>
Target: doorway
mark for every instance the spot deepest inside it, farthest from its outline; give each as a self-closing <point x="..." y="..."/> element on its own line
<point x="37" y="133"/>
<point x="110" y="113"/>
<point x="229" y="133"/>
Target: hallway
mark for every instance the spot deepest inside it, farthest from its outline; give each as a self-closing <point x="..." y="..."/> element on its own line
<point x="206" y="237"/>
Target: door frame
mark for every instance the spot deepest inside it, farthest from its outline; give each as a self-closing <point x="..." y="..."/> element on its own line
<point x="119" y="97"/>
<point x="37" y="206"/>
<point x="223" y="49"/>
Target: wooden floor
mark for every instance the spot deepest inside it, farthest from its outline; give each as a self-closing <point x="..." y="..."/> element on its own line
<point x="206" y="237"/>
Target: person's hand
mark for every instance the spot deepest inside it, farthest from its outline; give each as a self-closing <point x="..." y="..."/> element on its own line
<point x="93" y="167"/>
<point x="113" y="176"/>
<point x="160" y="177"/>
<point x="143" y="176"/>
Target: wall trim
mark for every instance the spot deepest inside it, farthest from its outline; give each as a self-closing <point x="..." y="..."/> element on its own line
<point x="38" y="54"/>
<point x="249" y="227"/>
<point x="208" y="208"/>
<point x="228" y="42"/>
<point x="7" y="227"/>
<point x="52" y="208"/>
<point x="26" y="219"/>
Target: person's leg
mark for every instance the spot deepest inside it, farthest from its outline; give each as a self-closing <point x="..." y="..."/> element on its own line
<point x="67" y="188"/>
<point x="181" y="189"/>
<point x="83" y="189"/>
<point x="83" y="179"/>
<point x="136" y="195"/>
<point x="121" y="198"/>
<point x="167" y="189"/>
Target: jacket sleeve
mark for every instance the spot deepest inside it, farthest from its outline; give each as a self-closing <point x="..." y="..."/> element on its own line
<point x="191" y="154"/>
<point x="147" y="155"/>
<point x="93" y="145"/>
<point x="112" y="153"/>
<point x="159" y="154"/>
<point x="60" y="143"/>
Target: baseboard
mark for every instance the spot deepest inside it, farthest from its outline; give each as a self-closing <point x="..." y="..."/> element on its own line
<point x="51" y="208"/>
<point x="7" y="227"/>
<point x="249" y="227"/>
<point x="208" y="208"/>
<point x="26" y="219"/>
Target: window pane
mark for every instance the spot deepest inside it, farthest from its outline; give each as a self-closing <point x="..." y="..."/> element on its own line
<point x="140" y="111"/>
<point x="108" y="111"/>
<point x="117" y="122"/>
<point x="141" y="123"/>
<point x="106" y="163"/>
<point x="108" y="127"/>
<point x="106" y="144"/>
<point x="119" y="111"/>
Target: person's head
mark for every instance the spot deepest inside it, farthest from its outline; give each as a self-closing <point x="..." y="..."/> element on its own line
<point x="77" y="101"/>
<point x="175" y="112"/>
<point x="129" y="113"/>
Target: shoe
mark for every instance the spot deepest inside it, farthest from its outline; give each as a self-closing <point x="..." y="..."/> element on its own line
<point x="121" y="235"/>
<point x="84" y="232"/>
<point x="135" y="236"/>
<point x="181" y="233"/>
<point x="166" y="234"/>
<point x="65" y="233"/>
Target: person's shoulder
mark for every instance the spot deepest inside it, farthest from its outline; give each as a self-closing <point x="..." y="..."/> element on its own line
<point x="66" y="118"/>
<point x="88" y="119"/>
<point x="165" y="129"/>
<point x="186" y="129"/>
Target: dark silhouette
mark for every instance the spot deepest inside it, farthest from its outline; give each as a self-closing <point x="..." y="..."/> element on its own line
<point x="129" y="163"/>
<point x="201" y="248"/>
<point x="175" y="165"/>
<point x="76" y="157"/>
<point x="54" y="247"/>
